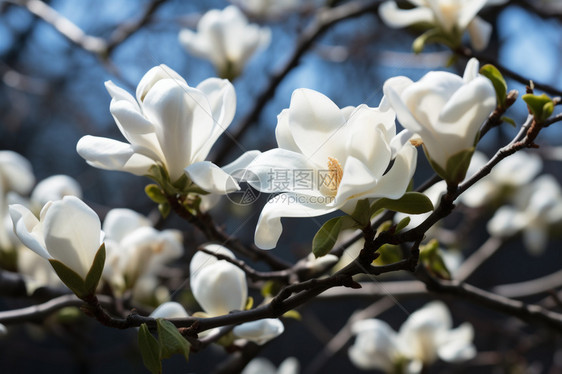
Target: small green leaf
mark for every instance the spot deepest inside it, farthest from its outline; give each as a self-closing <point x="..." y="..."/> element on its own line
<point x="541" y="106"/>
<point x="249" y="303"/>
<point x="292" y="314"/>
<point x="431" y="258"/>
<point x="70" y="278"/>
<point x="494" y="75"/>
<point x="403" y="223"/>
<point x="457" y="165"/>
<point x="155" y="194"/>
<point x="326" y="237"/>
<point x="410" y="202"/>
<point x="94" y="274"/>
<point x="270" y="288"/>
<point x="509" y="120"/>
<point x="164" y="209"/>
<point x="150" y="350"/>
<point x="361" y="214"/>
<point x="388" y="254"/>
<point x="171" y="341"/>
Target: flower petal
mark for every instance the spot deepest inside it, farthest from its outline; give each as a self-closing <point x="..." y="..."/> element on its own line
<point x="397" y="18"/>
<point x="269" y="228"/>
<point x="72" y="233"/>
<point x="260" y="331"/>
<point x="119" y="223"/>
<point x="170" y="309"/>
<point x="376" y="345"/>
<point x="456" y="345"/>
<point x="28" y="229"/>
<point x="211" y="178"/>
<point x="16" y="172"/>
<point x="480" y="32"/>
<point x="111" y="154"/>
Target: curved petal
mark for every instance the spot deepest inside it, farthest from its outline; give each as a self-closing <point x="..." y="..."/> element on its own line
<point x="153" y="76"/>
<point x="170" y="309"/>
<point x="376" y="345"/>
<point x="129" y="118"/>
<point x="222" y="100"/>
<point x="29" y="230"/>
<point x="211" y="178"/>
<point x="316" y="124"/>
<point x="506" y="222"/>
<point x="395" y="182"/>
<point x="260" y="331"/>
<point x="220" y="288"/>
<point x="357" y="178"/>
<point x="202" y="259"/>
<point x="54" y="188"/>
<point x="283" y="134"/>
<point x="456" y="345"/>
<point x="397" y="18"/>
<point x="111" y="154"/>
<point x="72" y="233"/>
<point x="393" y="89"/>
<point x="480" y="32"/>
<point x="269" y="228"/>
<point x="469" y="10"/>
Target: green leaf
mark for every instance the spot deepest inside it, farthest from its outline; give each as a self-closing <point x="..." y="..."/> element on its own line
<point x="541" y="106"/>
<point x="155" y="194"/>
<point x="434" y="35"/>
<point x="326" y="237"/>
<point x="150" y="350"/>
<point x="361" y="214"/>
<point x="431" y="258"/>
<point x="509" y="120"/>
<point x="164" y="209"/>
<point x="171" y="341"/>
<point x="388" y="254"/>
<point x="410" y="203"/>
<point x="94" y="274"/>
<point x="403" y="223"/>
<point x="70" y="278"/>
<point x="494" y="75"/>
<point x="457" y="165"/>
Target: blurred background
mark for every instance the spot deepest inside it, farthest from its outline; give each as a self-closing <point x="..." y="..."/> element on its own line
<point x="52" y="93"/>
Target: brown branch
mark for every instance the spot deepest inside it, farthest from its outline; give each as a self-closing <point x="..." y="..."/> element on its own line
<point x="323" y="21"/>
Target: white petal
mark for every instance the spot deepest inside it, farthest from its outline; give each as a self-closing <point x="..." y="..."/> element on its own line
<point x="397" y="18"/>
<point x="72" y="233"/>
<point x="269" y="228"/>
<point x="357" y="179"/>
<point x="283" y="133"/>
<point x="202" y="259"/>
<point x="376" y="345"/>
<point x="456" y="345"/>
<point x="170" y="309"/>
<point x="469" y="11"/>
<point x="54" y="188"/>
<point x="220" y="288"/>
<point x="28" y="229"/>
<point x="241" y="163"/>
<point x="111" y="154"/>
<point x="535" y="237"/>
<point x="260" y="365"/>
<point x="506" y="222"/>
<point x="260" y="331"/>
<point x="211" y="178"/>
<point x="153" y="76"/>
<point x="222" y="100"/>
<point x="119" y="223"/>
<point x="471" y="71"/>
<point x="480" y="32"/>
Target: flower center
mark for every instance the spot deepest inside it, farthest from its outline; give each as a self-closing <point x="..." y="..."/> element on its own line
<point x="332" y="179"/>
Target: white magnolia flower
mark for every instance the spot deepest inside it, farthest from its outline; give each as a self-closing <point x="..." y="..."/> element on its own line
<point x="218" y="286"/>
<point x="225" y="38"/>
<point x="260" y="331"/>
<point x="445" y="110"/>
<point x="262" y="365"/>
<point x="68" y="231"/>
<point x="54" y="188"/>
<point x="170" y="309"/>
<point x="328" y="159"/>
<point x="135" y="249"/>
<point x="425" y="336"/>
<point x="169" y="124"/>
<point x="537" y="207"/>
<point x="504" y="180"/>
<point x="453" y="17"/>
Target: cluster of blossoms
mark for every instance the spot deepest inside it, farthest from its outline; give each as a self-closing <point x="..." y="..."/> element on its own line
<point x="355" y="155"/>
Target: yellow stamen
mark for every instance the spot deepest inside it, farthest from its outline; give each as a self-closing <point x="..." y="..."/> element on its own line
<point x="332" y="181"/>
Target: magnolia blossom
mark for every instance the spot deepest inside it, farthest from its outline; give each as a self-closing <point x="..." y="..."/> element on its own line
<point x="170" y="125"/>
<point x="36" y="270"/>
<point x="220" y="287"/>
<point x="225" y="38"/>
<point x="135" y="249"/>
<point x="68" y="231"/>
<point x="344" y="153"/>
<point x="537" y="207"/>
<point x="453" y="17"/>
<point x="505" y="179"/>
<point x="426" y="336"/>
<point x="262" y="365"/>
<point x="444" y="110"/>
